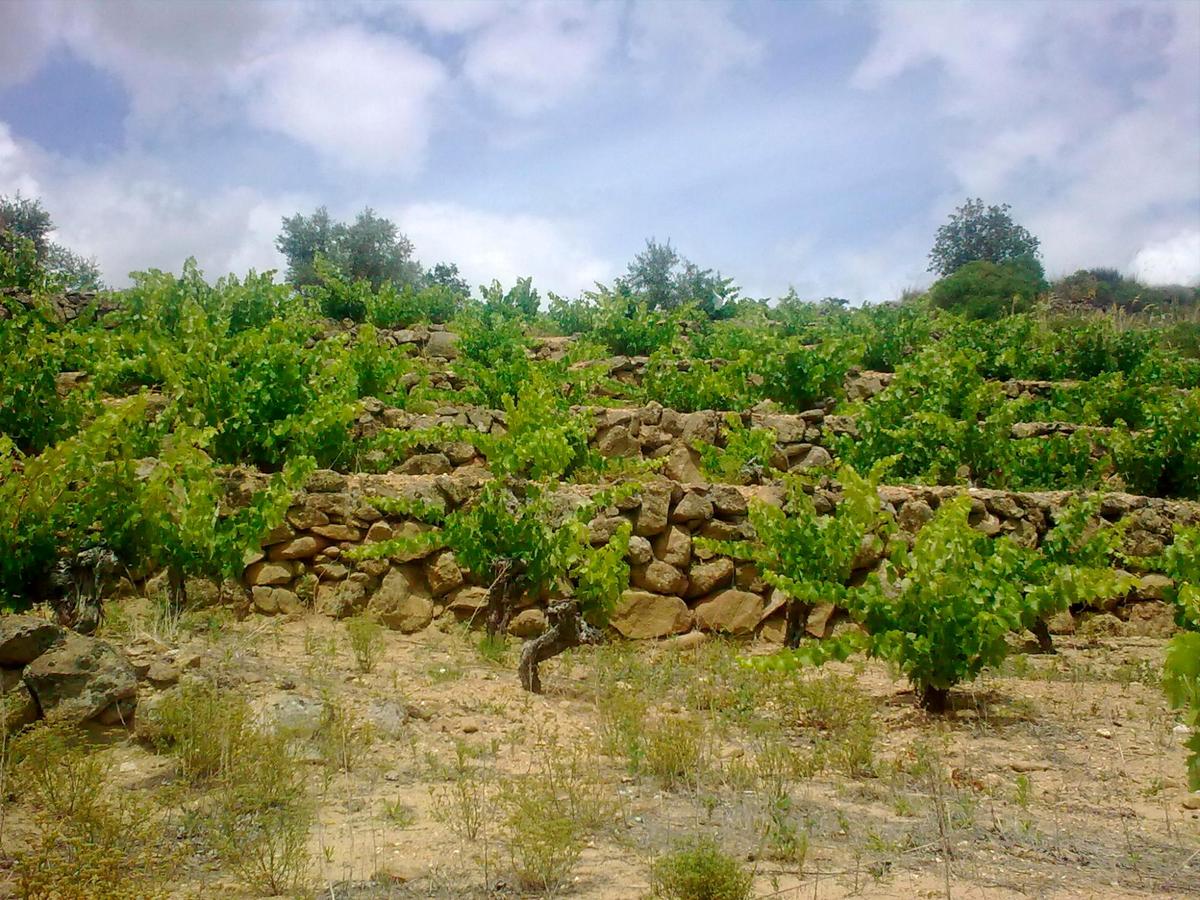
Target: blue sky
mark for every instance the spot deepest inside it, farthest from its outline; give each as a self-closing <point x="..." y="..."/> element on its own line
<point x="815" y="145"/>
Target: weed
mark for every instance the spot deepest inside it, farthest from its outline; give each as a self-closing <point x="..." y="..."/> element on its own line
<point x="699" y="870"/>
<point x="542" y="838"/>
<point x="366" y="641"/>
<point x="343" y="738"/>
<point x="675" y="751"/>
<point x="465" y="803"/>
<point x="206" y="727"/>
<point x="263" y="817"/>
<point x="399" y="813"/>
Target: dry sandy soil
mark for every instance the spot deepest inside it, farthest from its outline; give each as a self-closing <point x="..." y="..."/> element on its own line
<point x="1059" y="776"/>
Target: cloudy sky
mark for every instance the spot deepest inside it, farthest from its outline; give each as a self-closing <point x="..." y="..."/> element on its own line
<point x="814" y="144"/>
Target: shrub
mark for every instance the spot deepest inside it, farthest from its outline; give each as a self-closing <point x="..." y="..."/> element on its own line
<point x="698" y="869"/>
<point x="987" y="290"/>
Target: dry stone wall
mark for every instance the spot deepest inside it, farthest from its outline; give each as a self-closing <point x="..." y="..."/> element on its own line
<point x="675" y="586"/>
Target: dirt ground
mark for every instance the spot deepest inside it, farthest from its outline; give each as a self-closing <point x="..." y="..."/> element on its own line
<point x="1059" y="776"/>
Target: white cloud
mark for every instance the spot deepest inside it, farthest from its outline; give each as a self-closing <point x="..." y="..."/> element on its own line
<point x="1085" y="117"/>
<point x="364" y="100"/>
<point x="24" y="40"/>
<point x="1175" y="260"/>
<point x="539" y="54"/>
<point x="487" y="245"/>
<point x="692" y="48"/>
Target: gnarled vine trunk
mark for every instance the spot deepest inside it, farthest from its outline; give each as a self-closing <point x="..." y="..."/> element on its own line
<point x="505" y="587"/>
<point x="797" y="618"/>
<point x="566" y="629"/>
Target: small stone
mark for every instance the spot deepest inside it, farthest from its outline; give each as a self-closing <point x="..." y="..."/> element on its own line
<point x="443" y="573"/>
<point x="161" y="673"/>
<point x="303" y="547"/>
<point x="337" y="532"/>
<point x="267" y="573"/>
<point x="692" y="508"/>
<point x="659" y="577"/>
<point x="528" y="623"/>
<point x="1104" y="733"/>
<point x="704" y="578"/>
<point x="470" y="726"/>
<point x="674" y="546"/>
<point x="1191" y="801"/>
<point x="379" y="531"/>
<point x="640" y="550"/>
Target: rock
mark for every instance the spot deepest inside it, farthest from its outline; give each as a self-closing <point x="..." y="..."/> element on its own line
<point x="704" y="578"/>
<point x="426" y="464"/>
<point x="617" y="441"/>
<point x="267" y="573"/>
<point x="659" y="577"/>
<point x="401" y="603"/>
<point x="467" y="601"/>
<point x="674" y="546"/>
<point x="79" y="678"/>
<point x="914" y="514"/>
<point x="1153" y="587"/>
<point x="602" y="528"/>
<point x="819" y="619"/>
<point x="442" y="573"/>
<point x="17" y="709"/>
<point x="443" y="344"/>
<point x="337" y="532"/>
<point x="290" y="714"/>
<point x="683" y="465"/>
<point x="1061" y="623"/>
<point x="1150" y="619"/>
<point x="325" y="481"/>
<point x="304" y="547"/>
<point x="272" y="600"/>
<point x="162" y="673"/>
<point x="411" y="530"/>
<point x="689" y="641"/>
<point x="692" y="508"/>
<point x="774" y="630"/>
<point x="528" y="623"/>
<point x="640" y="551"/>
<point x="727" y="500"/>
<point x="817" y="457"/>
<point x="730" y="612"/>
<point x="303" y="518"/>
<point x="331" y="571"/>
<point x="24" y="638"/>
<point x="379" y="531"/>
<point x="341" y="598"/>
<point x="1192" y="801"/>
<point x="651" y="518"/>
<point x="641" y="615"/>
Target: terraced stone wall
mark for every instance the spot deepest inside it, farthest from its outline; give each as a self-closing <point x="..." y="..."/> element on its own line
<point x="675" y="586"/>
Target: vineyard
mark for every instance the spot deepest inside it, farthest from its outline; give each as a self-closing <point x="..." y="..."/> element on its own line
<point x="391" y="592"/>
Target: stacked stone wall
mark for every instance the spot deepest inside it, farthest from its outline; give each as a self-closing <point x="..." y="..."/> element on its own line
<point x="675" y="586"/>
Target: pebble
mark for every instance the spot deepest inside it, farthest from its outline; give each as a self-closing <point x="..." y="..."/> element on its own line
<point x="1104" y="732"/>
<point x="1191" y="801"/>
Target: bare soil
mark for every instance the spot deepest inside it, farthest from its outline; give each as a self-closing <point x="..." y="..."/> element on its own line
<point x="1059" y="776"/>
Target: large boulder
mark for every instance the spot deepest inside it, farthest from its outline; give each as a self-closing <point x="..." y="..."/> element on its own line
<point x="24" y="638"/>
<point x="641" y="614"/>
<point x="401" y="602"/>
<point x="730" y="612"/>
<point x="80" y="678"/>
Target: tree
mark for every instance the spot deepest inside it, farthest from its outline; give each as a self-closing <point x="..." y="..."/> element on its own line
<point x="448" y="276"/>
<point x="370" y="249"/>
<point x="22" y="218"/>
<point x="662" y="279"/>
<point x="976" y="232"/>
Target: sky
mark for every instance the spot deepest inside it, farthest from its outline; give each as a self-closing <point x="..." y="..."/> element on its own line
<point x="815" y="145"/>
